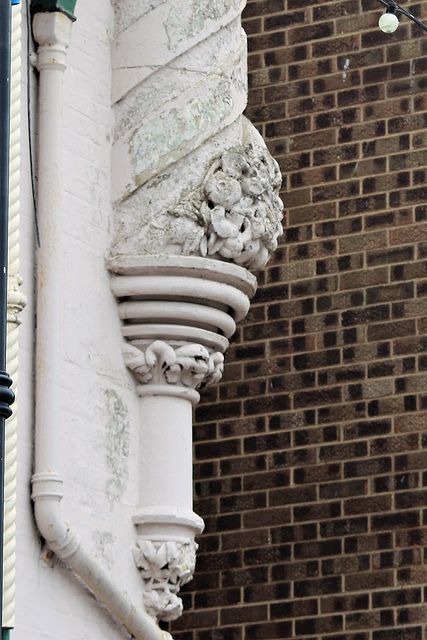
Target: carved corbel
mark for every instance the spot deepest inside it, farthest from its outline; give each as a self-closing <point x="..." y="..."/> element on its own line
<point x="190" y="365"/>
<point x="178" y="313"/>
<point x="165" y="566"/>
<point x="179" y="309"/>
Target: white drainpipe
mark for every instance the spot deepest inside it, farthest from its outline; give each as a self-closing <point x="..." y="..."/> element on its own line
<point x="52" y="31"/>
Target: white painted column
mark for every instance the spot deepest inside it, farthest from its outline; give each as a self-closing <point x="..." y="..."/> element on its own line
<point x="178" y="313"/>
<point x="195" y="195"/>
<point x="165" y="478"/>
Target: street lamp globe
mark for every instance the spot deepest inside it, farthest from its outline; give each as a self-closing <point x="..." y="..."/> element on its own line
<point x="388" y="22"/>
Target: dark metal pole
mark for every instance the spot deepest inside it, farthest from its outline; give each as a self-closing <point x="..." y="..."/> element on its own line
<point x="6" y="395"/>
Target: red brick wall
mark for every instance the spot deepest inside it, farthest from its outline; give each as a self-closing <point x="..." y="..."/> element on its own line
<point x="311" y="459"/>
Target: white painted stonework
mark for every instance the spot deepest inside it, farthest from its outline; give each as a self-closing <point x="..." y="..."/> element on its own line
<point x="155" y="197"/>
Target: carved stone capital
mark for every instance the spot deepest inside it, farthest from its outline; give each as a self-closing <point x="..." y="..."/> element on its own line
<point x="189" y="365"/>
<point x="234" y="215"/>
<point x="164" y="567"/>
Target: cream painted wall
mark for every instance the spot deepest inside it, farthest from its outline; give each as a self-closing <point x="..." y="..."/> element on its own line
<point x="99" y="412"/>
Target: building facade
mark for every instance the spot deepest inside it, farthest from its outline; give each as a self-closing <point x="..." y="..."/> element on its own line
<point x="309" y="452"/>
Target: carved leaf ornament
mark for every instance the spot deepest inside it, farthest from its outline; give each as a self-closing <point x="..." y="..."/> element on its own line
<point x="243" y="211"/>
<point x="190" y="365"/>
<point x="235" y="215"/>
<point x="164" y="567"/>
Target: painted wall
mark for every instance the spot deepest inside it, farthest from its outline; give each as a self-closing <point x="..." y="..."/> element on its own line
<point x="99" y="418"/>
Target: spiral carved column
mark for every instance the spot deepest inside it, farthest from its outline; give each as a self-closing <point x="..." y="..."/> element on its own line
<point x="196" y="204"/>
<point x="15" y="304"/>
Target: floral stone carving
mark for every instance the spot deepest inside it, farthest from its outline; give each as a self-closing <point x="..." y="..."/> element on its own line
<point x="235" y="215"/>
<point x="190" y="365"/>
<point x="165" y="566"/>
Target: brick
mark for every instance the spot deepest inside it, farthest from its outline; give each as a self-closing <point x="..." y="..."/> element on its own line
<point x="196" y="619"/>
<point x="307" y="588"/>
<point x="293" y="609"/>
<point x="372" y="504"/>
<point x="363" y="620"/>
<point x="409" y="423"/>
<point x="244" y="577"/>
<point x="244" y="427"/>
<point x="217" y="598"/>
<point x="243" y="502"/>
<point x="315" y="549"/>
<point x="392" y="330"/>
<point x="324" y="624"/>
<point x="211" y="412"/>
<point x="269" y="631"/>
<point x="395" y="559"/>
<point x="246" y="464"/>
<point x="266" y="480"/>
<point x="367" y="428"/>
<point x="267" y="555"/>
<point x="262" y="592"/>
<point x="295" y="570"/>
<point x="410" y="461"/>
<point x="402" y="519"/>
<point x="267" y="517"/>
<point x="394" y="598"/>
<point x="342" y="489"/>
<point x="243" y="614"/>
<point x="218" y="487"/>
<point x="369" y="580"/>
<point x="233" y="391"/>
<point x="395" y="444"/>
<point x="292" y="495"/>
<point x="344" y="603"/>
<point x="367" y="467"/>
<point x="412" y="615"/>
<point x="347" y="526"/>
<point x="411" y="633"/>
<point x="343" y="451"/>
<point x="292" y="533"/>
<point x="226" y="633"/>
<point x="362" y="544"/>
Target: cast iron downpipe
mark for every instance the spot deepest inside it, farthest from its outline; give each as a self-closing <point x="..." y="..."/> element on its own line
<point x="6" y="394"/>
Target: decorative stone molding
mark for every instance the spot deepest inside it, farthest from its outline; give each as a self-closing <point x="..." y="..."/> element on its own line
<point x="190" y="365"/>
<point x="180" y="299"/>
<point x="164" y="566"/>
<point x="235" y="215"/>
<point x="178" y="313"/>
<point x="196" y="201"/>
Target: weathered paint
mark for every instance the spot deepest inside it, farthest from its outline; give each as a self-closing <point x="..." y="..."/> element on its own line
<point x="185" y="21"/>
<point x="116" y="444"/>
<point x="165" y="137"/>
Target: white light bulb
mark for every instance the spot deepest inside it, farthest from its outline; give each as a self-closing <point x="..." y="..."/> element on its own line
<point x="388" y="22"/>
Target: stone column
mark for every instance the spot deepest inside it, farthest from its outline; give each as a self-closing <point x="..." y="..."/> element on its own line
<point x="196" y="205"/>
